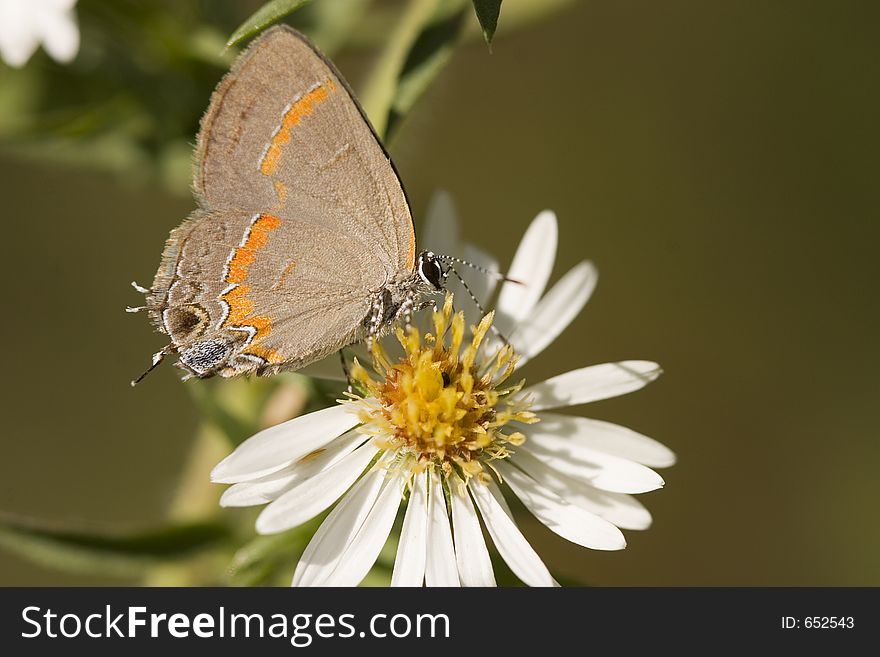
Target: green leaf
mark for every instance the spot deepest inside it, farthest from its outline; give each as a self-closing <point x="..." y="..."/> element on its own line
<point x="263" y="18"/>
<point x="527" y="13"/>
<point x="428" y="56"/>
<point x="487" y="13"/>
<point x="377" y="23"/>
<point x="123" y="555"/>
<point x="419" y="46"/>
<point x="381" y="86"/>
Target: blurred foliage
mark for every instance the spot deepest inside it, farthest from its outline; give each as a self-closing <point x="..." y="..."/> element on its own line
<point x="238" y="408"/>
<point x="130" y="104"/>
<point x="420" y="47"/>
<point x="120" y="555"/>
<point x="269" y="13"/>
<point x="270" y="560"/>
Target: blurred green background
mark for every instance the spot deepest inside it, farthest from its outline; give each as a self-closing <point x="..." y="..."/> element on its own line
<point x="717" y="161"/>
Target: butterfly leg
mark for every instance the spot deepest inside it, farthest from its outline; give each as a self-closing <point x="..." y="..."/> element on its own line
<point x="410" y="307"/>
<point x="425" y="304"/>
<point x="346" y="371"/>
<point x="376" y="317"/>
<point x="406" y="312"/>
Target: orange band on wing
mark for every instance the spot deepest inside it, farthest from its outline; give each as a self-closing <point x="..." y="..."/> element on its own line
<point x="241" y="307"/>
<point x="281" y="193"/>
<point x="244" y="256"/>
<point x="411" y="256"/>
<point x="269" y="355"/>
<point x="300" y="109"/>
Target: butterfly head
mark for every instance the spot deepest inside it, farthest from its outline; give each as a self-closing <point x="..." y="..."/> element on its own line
<point x="431" y="271"/>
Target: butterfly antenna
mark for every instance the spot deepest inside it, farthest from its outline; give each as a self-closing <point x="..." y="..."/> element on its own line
<point x="157" y="358"/>
<point x="497" y="275"/>
<point x="477" y="302"/>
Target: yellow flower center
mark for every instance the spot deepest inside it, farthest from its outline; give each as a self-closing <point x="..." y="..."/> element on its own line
<point x="440" y="404"/>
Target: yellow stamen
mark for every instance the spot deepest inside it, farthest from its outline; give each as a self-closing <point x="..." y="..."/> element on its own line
<point x="440" y="406"/>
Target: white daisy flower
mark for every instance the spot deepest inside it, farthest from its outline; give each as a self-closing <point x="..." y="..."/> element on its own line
<point x="445" y="426"/>
<point x="25" y="24"/>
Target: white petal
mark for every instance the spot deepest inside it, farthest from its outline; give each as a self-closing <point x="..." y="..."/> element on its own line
<point x="570" y="457"/>
<point x="440" y="569"/>
<point x="441" y="226"/>
<point x="606" y="437"/>
<point x="623" y="510"/>
<point x="531" y="266"/>
<point x="509" y="541"/>
<point x="19" y="37"/>
<point x="60" y="35"/>
<point x="259" y="491"/>
<point x="620" y="509"/>
<point x="593" y="383"/>
<point x="474" y="565"/>
<point x="52" y="6"/>
<point x="254" y="493"/>
<point x="310" y="496"/>
<point x="323" y="552"/>
<point x="564" y="518"/>
<point x="554" y="312"/>
<point x="363" y="550"/>
<point x="409" y="564"/>
<point x="265" y="489"/>
<point x="277" y="447"/>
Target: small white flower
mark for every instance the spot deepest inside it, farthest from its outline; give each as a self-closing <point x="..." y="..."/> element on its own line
<point x="446" y="424"/>
<point x="24" y="24"/>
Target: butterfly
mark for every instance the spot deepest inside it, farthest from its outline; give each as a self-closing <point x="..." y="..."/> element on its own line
<point x="303" y="240"/>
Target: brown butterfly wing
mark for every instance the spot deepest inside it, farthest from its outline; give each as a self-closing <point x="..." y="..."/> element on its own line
<point x="283" y="127"/>
<point x="220" y="297"/>
<point x="302" y="219"/>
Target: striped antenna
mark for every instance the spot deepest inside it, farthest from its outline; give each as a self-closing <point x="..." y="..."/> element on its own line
<point x="474" y="297"/>
<point x="497" y="275"/>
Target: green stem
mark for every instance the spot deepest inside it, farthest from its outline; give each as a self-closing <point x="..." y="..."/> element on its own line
<point x="381" y="86"/>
